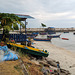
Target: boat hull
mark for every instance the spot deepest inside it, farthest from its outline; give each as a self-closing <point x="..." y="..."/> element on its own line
<point x="66" y="32"/>
<point x="53" y="36"/>
<point x="43" y="33"/>
<point x="65" y="38"/>
<point x="38" y="39"/>
<point x="29" y="50"/>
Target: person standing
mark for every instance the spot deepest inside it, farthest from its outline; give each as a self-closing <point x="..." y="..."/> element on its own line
<point x="58" y="68"/>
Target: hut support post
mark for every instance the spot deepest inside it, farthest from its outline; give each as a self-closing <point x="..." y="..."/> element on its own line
<point x="25" y="32"/>
<point x="25" y="26"/>
<point x="20" y="29"/>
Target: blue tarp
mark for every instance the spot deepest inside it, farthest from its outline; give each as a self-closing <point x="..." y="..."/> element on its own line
<point x="7" y="54"/>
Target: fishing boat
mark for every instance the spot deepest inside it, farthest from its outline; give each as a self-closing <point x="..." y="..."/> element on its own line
<point x="41" y="39"/>
<point x="66" y="32"/>
<point x="31" y="35"/>
<point x="65" y="38"/>
<point x="43" y="33"/>
<point x="29" y="50"/>
<point x="50" y="30"/>
<point x="53" y="36"/>
<point x="35" y="33"/>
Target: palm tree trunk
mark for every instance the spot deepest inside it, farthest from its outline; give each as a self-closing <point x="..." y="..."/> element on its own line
<point x="3" y="37"/>
<point x="5" y="34"/>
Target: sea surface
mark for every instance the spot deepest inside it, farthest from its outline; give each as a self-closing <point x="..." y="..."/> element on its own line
<point x="67" y="44"/>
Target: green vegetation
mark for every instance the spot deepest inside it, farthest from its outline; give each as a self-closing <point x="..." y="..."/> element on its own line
<point x="43" y="25"/>
<point x="7" y="21"/>
<point x="20" y="52"/>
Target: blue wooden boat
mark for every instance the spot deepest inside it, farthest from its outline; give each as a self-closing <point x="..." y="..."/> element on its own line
<point x="31" y="34"/>
<point x="35" y="34"/>
<point x="40" y="39"/>
<point x="43" y="33"/>
<point x="53" y="36"/>
<point x="66" y="32"/>
<point x="50" y="30"/>
<point x="31" y="37"/>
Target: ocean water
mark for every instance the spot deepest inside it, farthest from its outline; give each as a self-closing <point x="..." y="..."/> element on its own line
<point x="67" y="44"/>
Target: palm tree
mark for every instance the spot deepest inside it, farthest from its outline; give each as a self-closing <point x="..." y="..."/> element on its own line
<point x="6" y="22"/>
<point x="43" y="25"/>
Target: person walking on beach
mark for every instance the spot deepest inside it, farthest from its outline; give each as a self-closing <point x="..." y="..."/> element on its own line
<point x="58" y="67"/>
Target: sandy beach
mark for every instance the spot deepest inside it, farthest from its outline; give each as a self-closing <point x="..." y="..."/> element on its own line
<point x="65" y="57"/>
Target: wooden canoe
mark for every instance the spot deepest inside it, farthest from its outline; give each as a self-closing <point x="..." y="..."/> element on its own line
<point x="30" y="50"/>
<point x="65" y="38"/>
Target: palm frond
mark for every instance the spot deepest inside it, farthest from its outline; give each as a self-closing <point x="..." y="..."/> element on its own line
<point x="15" y="26"/>
<point x="43" y="25"/>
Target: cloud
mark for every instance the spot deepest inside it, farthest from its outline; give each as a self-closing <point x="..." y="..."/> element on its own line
<point x="42" y="15"/>
<point x="71" y="17"/>
<point x="41" y="10"/>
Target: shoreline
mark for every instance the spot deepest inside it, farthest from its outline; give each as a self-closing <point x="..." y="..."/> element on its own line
<point x="64" y="56"/>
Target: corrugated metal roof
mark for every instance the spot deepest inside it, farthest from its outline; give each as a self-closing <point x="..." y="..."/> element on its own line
<point x="24" y="16"/>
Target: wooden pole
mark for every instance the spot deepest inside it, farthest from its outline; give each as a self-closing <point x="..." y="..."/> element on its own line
<point x="20" y="29"/>
<point x="25" y="32"/>
<point x="25" y="27"/>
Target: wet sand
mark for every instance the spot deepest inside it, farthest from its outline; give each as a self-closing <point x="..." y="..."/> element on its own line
<point x="65" y="57"/>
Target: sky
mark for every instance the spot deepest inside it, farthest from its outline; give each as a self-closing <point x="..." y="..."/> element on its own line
<point x="52" y="13"/>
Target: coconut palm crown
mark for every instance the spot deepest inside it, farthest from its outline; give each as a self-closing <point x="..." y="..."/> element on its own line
<point x="6" y="22"/>
<point x="43" y="25"/>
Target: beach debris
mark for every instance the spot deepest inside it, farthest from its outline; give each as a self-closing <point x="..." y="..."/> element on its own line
<point x="54" y="67"/>
<point x="51" y="66"/>
<point x="44" y="63"/>
<point x="72" y="66"/>
<point x="7" y="55"/>
<point x="45" y="71"/>
<point x="51" y="70"/>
